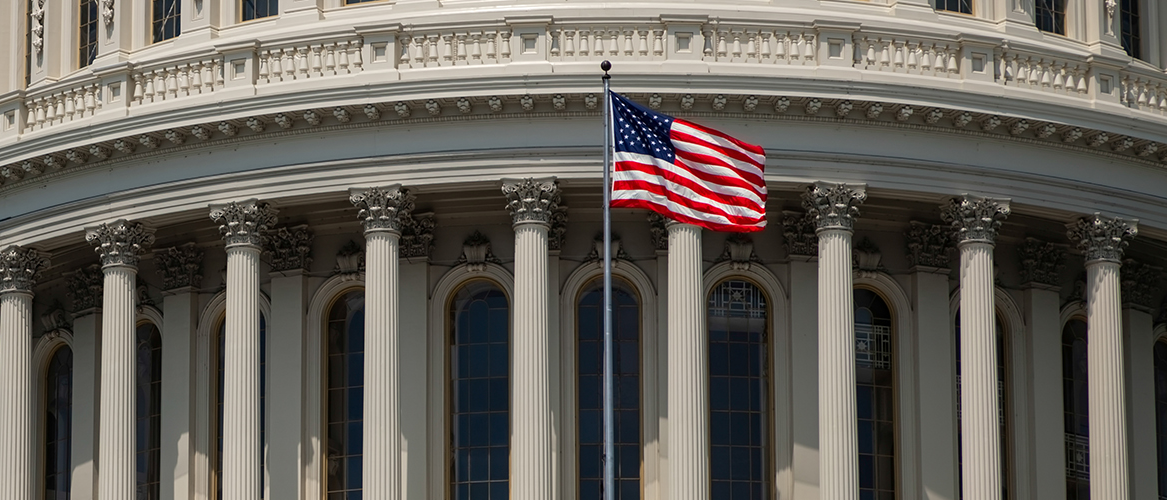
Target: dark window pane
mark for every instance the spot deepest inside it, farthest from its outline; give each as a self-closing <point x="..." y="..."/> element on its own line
<point x="256" y="9"/>
<point x="58" y="424"/>
<point x="480" y="392"/>
<point x="149" y="410"/>
<point x="166" y="14"/>
<point x="1077" y="428"/>
<point x="738" y="385"/>
<point x="875" y="396"/>
<point x="1050" y="15"/>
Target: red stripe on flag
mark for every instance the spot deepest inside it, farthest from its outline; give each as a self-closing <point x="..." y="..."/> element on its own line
<point x="744" y="145"/>
<point x="712" y="226"/>
<point x="683" y="201"/>
<point x="698" y="187"/>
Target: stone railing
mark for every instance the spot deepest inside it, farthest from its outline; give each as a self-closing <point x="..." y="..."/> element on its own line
<point x="256" y="68"/>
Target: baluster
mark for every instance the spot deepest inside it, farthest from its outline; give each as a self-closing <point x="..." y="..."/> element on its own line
<point x="736" y="46"/>
<point x="707" y="49"/>
<point x="41" y="111"/>
<point x="627" y="37"/>
<point x="418" y="51"/>
<point x="569" y="43"/>
<point x="1046" y="69"/>
<point x="780" y="40"/>
<point x="556" y="43"/>
<point x="78" y="99"/>
<point x="51" y="104"/>
<point x="184" y="79"/>
<point x="585" y="44"/>
<point x="70" y="107"/>
<point x="216" y="74"/>
<point x="598" y="43"/>
<point x="139" y="92"/>
<point x="448" y="49"/>
<point x="721" y="45"/>
<point x="1007" y="71"/>
<point x="290" y="63"/>
<point x="149" y="92"/>
<point x="303" y="62"/>
<point x="196" y="77"/>
<point x="403" y="58"/>
<point x="613" y="40"/>
<point x="476" y="47"/>
<point x="431" y="50"/>
<point x="1059" y="80"/>
<point x="642" y="49"/>
<point x="277" y="65"/>
<point x="461" y="48"/>
<point x="357" y="64"/>
<point x="506" y="45"/>
<point x="492" y="47"/>
<point x="898" y="58"/>
<point x="1142" y="86"/>
<point x="172" y="82"/>
<point x="330" y="59"/>
<point x="952" y="58"/>
<point x="343" y="64"/>
<point x="884" y="53"/>
<point x="91" y="101"/>
<point x="30" y="114"/>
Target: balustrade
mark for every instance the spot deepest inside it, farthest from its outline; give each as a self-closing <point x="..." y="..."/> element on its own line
<point x="1043" y="71"/>
<point x="929" y="57"/>
<point x="309" y="60"/>
<point x="172" y="81"/>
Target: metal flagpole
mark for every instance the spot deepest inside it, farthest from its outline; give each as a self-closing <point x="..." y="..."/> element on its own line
<point x="609" y="397"/>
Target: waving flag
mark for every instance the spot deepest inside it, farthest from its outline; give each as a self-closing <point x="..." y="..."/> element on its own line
<point x="684" y="171"/>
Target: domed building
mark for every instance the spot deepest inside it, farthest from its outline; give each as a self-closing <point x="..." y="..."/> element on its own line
<point x="345" y="249"/>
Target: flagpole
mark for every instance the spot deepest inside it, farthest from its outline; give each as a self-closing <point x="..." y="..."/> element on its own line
<point x="609" y="399"/>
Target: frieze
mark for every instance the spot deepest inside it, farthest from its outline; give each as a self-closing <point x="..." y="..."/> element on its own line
<point x="121" y="242"/>
<point x="1100" y="238"/>
<point x="928" y="245"/>
<point x="85" y="288"/>
<point x="180" y="266"/>
<point x="1041" y="262"/>
<point x="798" y="229"/>
<point x="834" y="205"/>
<point x="244" y="222"/>
<point x="289" y="248"/>
<point x="20" y="268"/>
<point x="974" y="218"/>
<point x="417" y="237"/>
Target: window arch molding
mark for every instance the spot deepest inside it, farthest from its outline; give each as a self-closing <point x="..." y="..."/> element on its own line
<point x="1072" y="310"/>
<point x="448" y="285"/>
<point x="1017" y="406"/>
<point x="649" y="424"/>
<point x="42" y="354"/>
<point x="321" y="303"/>
<point x="213" y="312"/>
<point x="781" y="384"/>
<point x="907" y="404"/>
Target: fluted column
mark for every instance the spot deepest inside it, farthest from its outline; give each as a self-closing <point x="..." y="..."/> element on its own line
<point x="242" y="225"/>
<point x="688" y="364"/>
<point x="532" y="204"/>
<point x="384" y="212"/>
<point x="1102" y="242"/>
<point x="976" y="221"/>
<point x="119" y="243"/>
<point x="834" y="208"/>
<point x="19" y="269"/>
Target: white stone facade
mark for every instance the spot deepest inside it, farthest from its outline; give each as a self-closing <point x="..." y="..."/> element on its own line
<point x="245" y="181"/>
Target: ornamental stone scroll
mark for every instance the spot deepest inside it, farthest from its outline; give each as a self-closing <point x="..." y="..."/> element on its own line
<point x="244" y="222"/>
<point x="121" y="242"/>
<point x="20" y="268"/>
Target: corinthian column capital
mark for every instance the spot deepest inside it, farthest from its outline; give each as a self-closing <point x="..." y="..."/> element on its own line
<point x="387" y="208"/>
<point x="121" y="242"/>
<point x="834" y="205"/>
<point x="244" y="222"/>
<point x="1100" y="238"/>
<point x="532" y="201"/>
<point x="20" y="267"/>
<point x="975" y="218"/>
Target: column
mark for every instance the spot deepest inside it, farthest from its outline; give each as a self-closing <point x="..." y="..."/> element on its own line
<point x="180" y="270"/>
<point x="242" y="225"/>
<point x="688" y="364"/>
<point x="532" y="204"/>
<point x="976" y="221"/>
<point x="383" y="212"/>
<point x="19" y="269"/>
<point x="119" y="243"/>
<point x="1102" y="241"/>
<point x="834" y="208"/>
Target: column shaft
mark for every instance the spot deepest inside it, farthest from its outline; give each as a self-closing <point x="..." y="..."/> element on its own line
<point x="241" y="446"/>
<point x="1108" y="450"/>
<point x="382" y="441"/>
<point x="118" y="367"/>
<point x="15" y="424"/>
<point x="980" y="429"/>
<point x="688" y="362"/>
<point x="531" y="465"/>
<point x="838" y="425"/>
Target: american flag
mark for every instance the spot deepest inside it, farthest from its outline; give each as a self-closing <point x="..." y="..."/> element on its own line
<point x="684" y="171"/>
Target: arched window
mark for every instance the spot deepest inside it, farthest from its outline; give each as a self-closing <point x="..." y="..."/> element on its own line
<point x="1161" y="412"/>
<point x="256" y="9"/>
<point x="739" y="386"/>
<point x="961" y="6"/>
<point x="220" y="343"/>
<point x="1075" y="391"/>
<point x="149" y="411"/>
<point x="480" y="392"/>
<point x="87" y="33"/>
<point x="1050" y="16"/>
<point x="590" y="389"/>
<point x="1129" y="32"/>
<point x="58" y="424"/>
<point x="875" y="396"/>
<point x="346" y="394"/>
<point x="1002" y="408"/>
<point x="167" y="22"/>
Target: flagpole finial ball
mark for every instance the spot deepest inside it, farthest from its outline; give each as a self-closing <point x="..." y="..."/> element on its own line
<point x="606" y="66"/>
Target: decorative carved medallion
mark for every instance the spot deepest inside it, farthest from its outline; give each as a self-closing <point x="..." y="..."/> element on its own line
<point x="244" y="222"/>
<point x="1041" y="262"/>
<point x="350" y="261"/>
<point x="799" y="232"/>
<point x="85" y="286"/>
<point x="289" y="248"/>
<point x="382" y="208"/>
<point x="476" y="252"/>
<point x="558" y="229"/>
<point x="56" y="319"/>
<point x="596" y="256"/>
<point x="658" y="232"/>
<point x="1140" y="283"/>
<point x="975" y="218"/>
<point x="180" y="266"/>
<point x="38" y="27"/>
<point x="417" y="238"/>
<point x="20" y="267"/>
<point x="1102" y="239"/>
<point x="834" y="205"/>
<point x="121" y="242"/>
<point x="866" y="255"/>
<point x="532" y="201"/>
<point x="739" y="251"/>
<point x="107" y="12"/>
<point x="928" y="245"/>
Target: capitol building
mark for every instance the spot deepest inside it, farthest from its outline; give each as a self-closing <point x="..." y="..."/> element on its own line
<point x="351" y="250"/>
